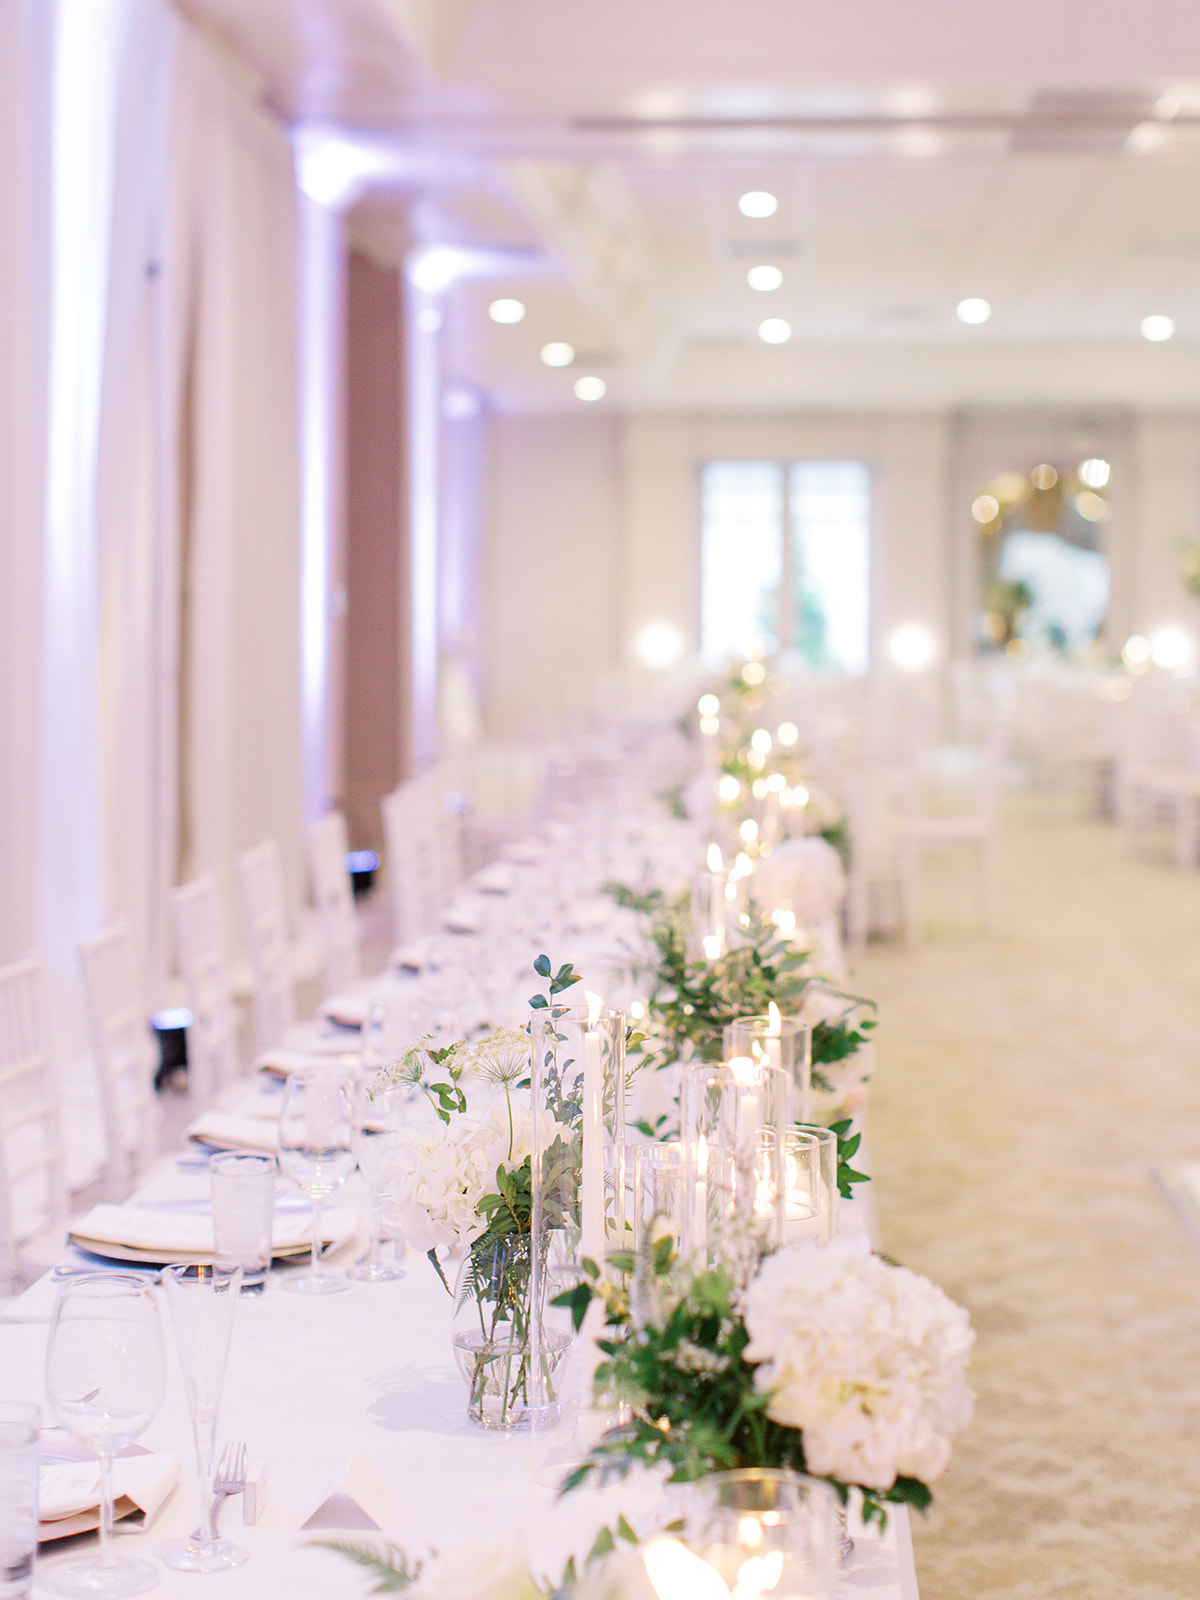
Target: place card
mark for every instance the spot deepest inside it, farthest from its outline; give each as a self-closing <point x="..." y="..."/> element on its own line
<point x="355" y="1497"/>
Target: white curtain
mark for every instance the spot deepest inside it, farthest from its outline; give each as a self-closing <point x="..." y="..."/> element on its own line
<point x="24" y="257"/>
<point x="240" y="665"/>
<point x="149" y="651"/>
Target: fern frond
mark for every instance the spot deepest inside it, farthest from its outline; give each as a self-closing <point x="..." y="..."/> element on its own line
<point x="389" y="1564"/>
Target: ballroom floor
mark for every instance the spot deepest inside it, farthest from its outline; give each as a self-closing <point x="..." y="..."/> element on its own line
<point x="1028" y="1082"/>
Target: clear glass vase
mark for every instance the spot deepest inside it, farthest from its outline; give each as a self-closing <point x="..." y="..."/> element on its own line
<point x="492" y="1334"/>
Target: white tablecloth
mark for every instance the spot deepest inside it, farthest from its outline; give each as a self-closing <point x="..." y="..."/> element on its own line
<point x="312" y="1383"/>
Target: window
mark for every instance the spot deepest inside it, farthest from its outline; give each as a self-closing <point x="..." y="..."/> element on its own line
<point x="785" y="560"/>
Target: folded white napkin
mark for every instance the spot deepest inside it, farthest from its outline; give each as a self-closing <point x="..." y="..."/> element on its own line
<point x="67" y="1489"/>
<point x="183" y="1235"/>
<point x="525" y="852"/>
<point x="233" y="1130"/>
<point x="464" y="916"/>
<point x="410" y="957"/>
<point x="498" y="877"/>
<point x="282" y="1063"/>
<point x="348" y="1009"/>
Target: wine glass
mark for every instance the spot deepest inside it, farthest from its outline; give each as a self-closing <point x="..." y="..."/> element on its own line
<point x="316" y="1150"/>
<point x="378" y="1116"/>
<point x="104" y="1381"/>
<point x="202" y="1300"/>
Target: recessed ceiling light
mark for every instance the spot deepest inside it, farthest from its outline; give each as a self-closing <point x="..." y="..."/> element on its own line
<point x="590" y="388"/>
<point x="973" y="311"/>
<point x="506" y="311"/>
<point x="558" y="354"/>
<point x="764" y="278"/>
<point x="758" y="203"/>
<point x="774" y="331"/>
<point x="1157" y="328"/>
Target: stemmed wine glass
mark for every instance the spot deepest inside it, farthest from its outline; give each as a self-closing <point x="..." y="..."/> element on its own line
<point x="316" y="1149"/>
<point x="202" y="1300"/>
<point x="104" y="1381"/>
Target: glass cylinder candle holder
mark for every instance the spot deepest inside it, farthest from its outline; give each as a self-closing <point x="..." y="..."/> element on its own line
<point x="659" y="1184"/>
<point x="792" y="1197"/>
<point x="725" y="1111"/>
<point x="767" y="1531"/>
<point x="577" y="1176"/>
<point x="709" y="937"/>
<point x="830" y="1194"/>
<point x="777" y="1041"/>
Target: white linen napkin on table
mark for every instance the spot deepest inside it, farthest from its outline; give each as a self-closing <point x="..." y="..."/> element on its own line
<point x="181" y="1234"/>
<point x="70" y="1490"/>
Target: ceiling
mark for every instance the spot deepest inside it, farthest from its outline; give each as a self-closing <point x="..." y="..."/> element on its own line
<point x="589" y="160"/>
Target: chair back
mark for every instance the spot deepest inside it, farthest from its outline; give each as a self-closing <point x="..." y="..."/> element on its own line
<point x="337" y="920"/>
<point x="33" y="1191"/>
<point x="265" y="925"/>
<point x="125" y="1057"/>
<point x="200" y="950"/>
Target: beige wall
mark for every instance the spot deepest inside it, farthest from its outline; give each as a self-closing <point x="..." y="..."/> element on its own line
<point x="592" y="528"/>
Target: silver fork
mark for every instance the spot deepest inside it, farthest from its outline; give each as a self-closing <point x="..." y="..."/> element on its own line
<point x="229" y="1478"/>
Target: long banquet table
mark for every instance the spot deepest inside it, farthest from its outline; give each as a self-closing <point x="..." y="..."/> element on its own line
<point x="368" y="1373"/>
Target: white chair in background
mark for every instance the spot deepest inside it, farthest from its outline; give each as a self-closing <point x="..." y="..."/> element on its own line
<point x="33" y="1188"/>
<point x="265" y="925"/>
<point x="337" y="920"/>
<point x="973" y="830"/>
<point x="125" y="1058"/>
<point x="881" y="890"/>
<point x="213" y="1057"/>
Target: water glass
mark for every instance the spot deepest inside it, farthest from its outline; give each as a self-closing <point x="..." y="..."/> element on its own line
<point x="18" y="1497"/>
<point x="243" y="1210"/>
<point x="378" y="1120"/>
<point x="316" y="1150"/>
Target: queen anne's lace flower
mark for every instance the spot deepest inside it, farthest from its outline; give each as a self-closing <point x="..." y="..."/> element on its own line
<point x="434" y="1177"/>
<point x="868" y="1360"/>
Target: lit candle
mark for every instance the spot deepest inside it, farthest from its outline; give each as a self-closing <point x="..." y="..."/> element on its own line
<point x="700" y="1202"/>
<point x="592" y="1174"/>
<point x="676" y="1574"/>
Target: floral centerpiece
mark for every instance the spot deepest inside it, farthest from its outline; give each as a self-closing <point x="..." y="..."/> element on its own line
<point x="461" y="1185"/>
<point x="833" y="1362"/>
<point x="690" y="1001"/>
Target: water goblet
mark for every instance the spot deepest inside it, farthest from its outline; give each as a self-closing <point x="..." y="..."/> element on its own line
<point x="202" y="1300"/>
<point x="316" y="1150"/>
<point x="378" y="1117"/>
<point x="104" y="1381"/>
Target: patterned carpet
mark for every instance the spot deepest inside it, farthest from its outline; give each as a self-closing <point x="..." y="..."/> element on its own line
<point x="1028" y="1082"/>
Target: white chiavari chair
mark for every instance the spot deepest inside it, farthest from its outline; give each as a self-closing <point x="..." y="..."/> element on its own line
<point x="337" y="920"/>
<point x="265" y="926"/>
<point x="33" y="1188"/>
<point x="213" y="1057"/>
<point x="973" y="831"/>
<point x="125" y="1057"/>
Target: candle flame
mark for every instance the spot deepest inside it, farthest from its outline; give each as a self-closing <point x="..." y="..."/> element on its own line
<point x="716" y="861"/>
<point x="701" y="1156"/>
<point x="745" y="1073"/>
<point x="676" y="1574"/>
<point x="776" y="1025"/>
<point x="595" y="1006"/>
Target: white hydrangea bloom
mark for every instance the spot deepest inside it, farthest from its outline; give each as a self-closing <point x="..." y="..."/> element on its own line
<point x="434" y="1177"/>
<point x="868" y="1360"/>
